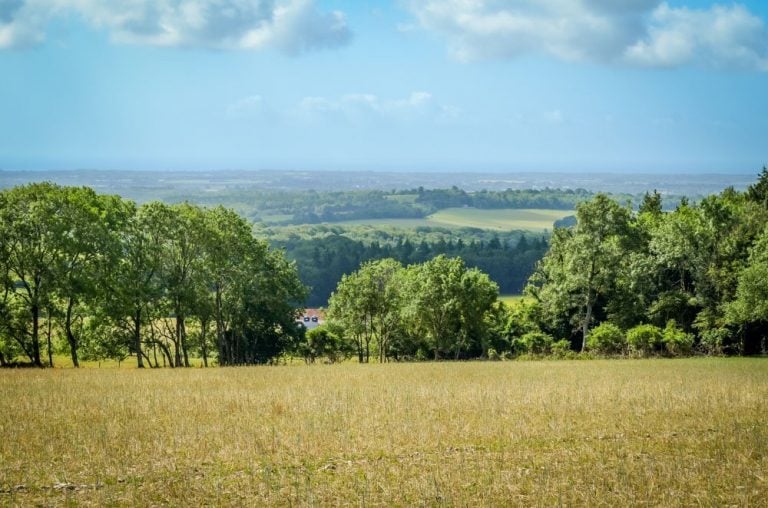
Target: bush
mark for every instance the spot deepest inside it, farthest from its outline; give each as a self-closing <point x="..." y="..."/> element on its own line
<point x="644" y="339"/>
<point x="561" y="348"/>
<point x="714" y="339"/>
<point x="493" y="355"/>
<point x="320" y="342"/>
<point x="676" y="341"/>
<point x="607" y="339"/>
<point x="538" y="343"/>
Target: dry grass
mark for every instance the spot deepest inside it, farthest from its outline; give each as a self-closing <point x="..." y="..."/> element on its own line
<point x="598" y="433"/>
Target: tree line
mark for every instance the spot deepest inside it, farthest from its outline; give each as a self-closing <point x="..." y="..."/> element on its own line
<point x="655" y="281"/>
<point x="322" y="261"/>
<point x="617" y="282"/>
<point x="161" y="282"/>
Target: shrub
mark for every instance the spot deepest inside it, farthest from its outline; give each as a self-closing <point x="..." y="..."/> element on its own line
<point x="561" y="348"/>
<point x="607" y="338"/>
<point x="714" y="339"/>
<point x="676" y="341"/>
<point x="644" y="339"/>
<point x="538" y="343"/>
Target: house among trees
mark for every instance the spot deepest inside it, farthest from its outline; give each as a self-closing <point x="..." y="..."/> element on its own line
<point x="311" y="318"/>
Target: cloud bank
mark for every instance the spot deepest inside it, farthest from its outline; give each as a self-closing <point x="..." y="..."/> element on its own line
<point x="646" y="33"/>
<point x="292" y="26"/>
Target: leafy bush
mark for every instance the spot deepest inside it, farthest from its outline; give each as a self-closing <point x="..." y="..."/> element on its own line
<point x="320" y="342"/>
<point x="714" y="339"/>
<point x="644" y="339"/>
<point x="534" y="343"/>
<point x="607" y="338"/>
<point x="493" y="355"/>
<point x="561" y="348"/>
<point x="676" y="341"/>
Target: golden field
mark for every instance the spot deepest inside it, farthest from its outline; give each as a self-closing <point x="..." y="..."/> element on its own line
<point x="545" y="433"/>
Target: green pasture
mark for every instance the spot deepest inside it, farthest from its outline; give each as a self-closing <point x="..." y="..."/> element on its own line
<point x="505" y="219"/>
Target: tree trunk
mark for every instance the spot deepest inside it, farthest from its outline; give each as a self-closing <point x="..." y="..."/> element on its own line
<point x="203" y="341"/>
<point x="165" y="353"/>
<point x="220" y="339"/>
<point x="585" y="324"/>
<point x="183" y="339"/>
<point x="3" y="363"/>
<point x="137" y="338"/>
<point x="360" y="349"/>
<point x="588" y="308"/>
<point x="36" y="336"/>
<point x="71" y="336"/>
<point x="48" y="333"/>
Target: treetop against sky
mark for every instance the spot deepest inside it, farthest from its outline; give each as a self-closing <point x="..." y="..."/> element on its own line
<point x="558" y="85"/>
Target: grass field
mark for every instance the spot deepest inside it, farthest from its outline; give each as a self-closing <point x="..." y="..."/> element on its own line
<point x="501" y="220"/>
<point x="597" y="433"/>
<point x="511" y="300"/>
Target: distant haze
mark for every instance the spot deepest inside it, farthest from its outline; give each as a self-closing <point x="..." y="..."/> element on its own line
<point x="172" y="184"/>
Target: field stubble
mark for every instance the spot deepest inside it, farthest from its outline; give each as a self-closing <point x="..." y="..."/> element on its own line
<point x="632" y="432"/>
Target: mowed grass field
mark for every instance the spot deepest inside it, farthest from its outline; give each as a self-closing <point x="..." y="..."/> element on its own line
<point x="595" y="433"/>
<point x="536" y="220"/>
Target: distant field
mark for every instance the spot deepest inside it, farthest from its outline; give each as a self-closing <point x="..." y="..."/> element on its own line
<point x="502" y="220"/>
<point x="512" y="299"/>
<point x="552" y="433"/>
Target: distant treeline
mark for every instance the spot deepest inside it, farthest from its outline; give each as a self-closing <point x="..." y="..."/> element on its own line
<point x="323" y="261"/>
<point x="315" y="207"/>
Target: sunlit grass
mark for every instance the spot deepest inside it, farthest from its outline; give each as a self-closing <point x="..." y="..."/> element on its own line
<point x="512" y="300"/>
<point x="534" y="220"/>
<point x="611" y="433"/>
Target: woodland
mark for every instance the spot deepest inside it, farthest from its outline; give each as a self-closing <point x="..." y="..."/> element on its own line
<point x="97" y="276"/>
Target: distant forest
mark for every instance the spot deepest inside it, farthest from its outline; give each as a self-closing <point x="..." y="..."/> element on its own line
<point x="322" y="261"/>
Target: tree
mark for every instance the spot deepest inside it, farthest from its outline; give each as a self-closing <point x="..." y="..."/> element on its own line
<point x="134" y="287"/>
<point x="87" y="253"/>
<point x="750" y="305"/>
<point x="366" y="304"/>
<point x="33" y="231"/>
<point x="583" y="263"/>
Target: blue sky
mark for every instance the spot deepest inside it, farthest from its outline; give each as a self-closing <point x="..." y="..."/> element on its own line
<point x="463" y="85"/>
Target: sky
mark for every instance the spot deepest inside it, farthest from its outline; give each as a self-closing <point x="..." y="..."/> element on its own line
<point x="401" y="85"/>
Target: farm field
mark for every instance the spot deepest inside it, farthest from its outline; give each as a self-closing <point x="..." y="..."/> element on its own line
<point x="610" y="433"/>
<point x="506" y="219"/>
<point x="512" y="300"/>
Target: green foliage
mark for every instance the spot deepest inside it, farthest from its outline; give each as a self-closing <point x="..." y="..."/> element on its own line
<point x="109" y="278"/>
<point x="561" y="348"/>
<point x="322" y="343"/>
<point x="607" y="338"/>
<point x="644" y="339"/>
<point x="675" y="340"/>
<point x="713" y="340"/>
<point x="537" y="343"/>
<point x="324" y="253"/>
<point x="440" y="304"/>
<point x="703" y="265"/>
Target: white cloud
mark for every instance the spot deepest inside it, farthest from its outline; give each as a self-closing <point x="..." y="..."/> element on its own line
<point x="635" y="32"/>
<point x="718" y="37"/>
<point x="292" y="26"/>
